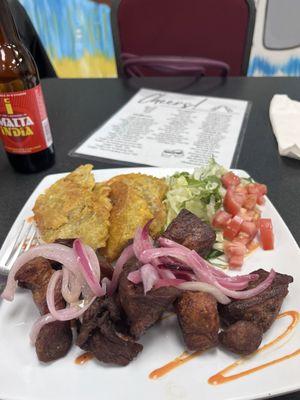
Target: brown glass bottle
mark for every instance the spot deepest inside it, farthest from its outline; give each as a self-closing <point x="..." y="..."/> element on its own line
<point x="24" y="126"/>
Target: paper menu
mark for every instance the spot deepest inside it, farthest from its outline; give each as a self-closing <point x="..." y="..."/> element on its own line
<point x="167" y="129"/>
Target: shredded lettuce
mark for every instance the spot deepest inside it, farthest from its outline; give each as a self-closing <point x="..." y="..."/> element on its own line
<point x="200" y="192"/>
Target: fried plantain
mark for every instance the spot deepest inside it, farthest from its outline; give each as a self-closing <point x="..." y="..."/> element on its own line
<point x="129" y="211"/>
<point x="151" y="189"/>
<point x="75" y="206"/>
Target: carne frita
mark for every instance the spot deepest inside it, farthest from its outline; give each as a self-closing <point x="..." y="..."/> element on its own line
<point x="101" y="333"/>
<point x="105" y="266"/>
<point x="261" y="309"/>
<point x="188" y="230"/>
<point x="142" y="310"/>
<point x="242" y="337"/>
<point x="199" y="320"/>
<point x="54" y="339"/>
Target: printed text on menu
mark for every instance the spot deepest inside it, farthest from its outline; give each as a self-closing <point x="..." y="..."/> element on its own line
<point x="166" y="129"/>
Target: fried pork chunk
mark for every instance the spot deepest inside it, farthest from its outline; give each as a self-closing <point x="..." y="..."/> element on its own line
<point x="35" y="276"/>
<point x="54" y="339"/>
<point x="143" y="310"/>
<point x="102" y="333"/>
<point x="261" y="309"/>
<point x="187" y="229"/>
<point x="75" y="206"/>
<point x="243" y="337"/>
<point x="199" y="320"/>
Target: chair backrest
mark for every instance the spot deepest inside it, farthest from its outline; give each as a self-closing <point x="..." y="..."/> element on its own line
<point x="215" y="29"/>
<point x="31" y="39"/>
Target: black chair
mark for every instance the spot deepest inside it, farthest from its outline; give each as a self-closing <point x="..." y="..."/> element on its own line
<point x="31" y="40"/>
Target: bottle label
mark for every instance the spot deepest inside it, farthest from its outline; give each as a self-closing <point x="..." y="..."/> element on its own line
<point x="24" y="125"/>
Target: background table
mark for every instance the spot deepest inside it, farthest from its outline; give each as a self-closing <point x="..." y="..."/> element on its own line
<point x="76" y="107"/>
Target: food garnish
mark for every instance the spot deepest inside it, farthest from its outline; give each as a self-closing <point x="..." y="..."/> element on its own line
<point x="201" y="192"/>
<point x="227" y="202"/>
<point x="266" y="233"/>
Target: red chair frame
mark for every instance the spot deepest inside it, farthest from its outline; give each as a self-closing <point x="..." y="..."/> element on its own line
<point x="127" y="68"/>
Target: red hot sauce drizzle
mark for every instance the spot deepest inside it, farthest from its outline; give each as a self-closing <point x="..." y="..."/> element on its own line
<point x="220" y="377"/>
<point x="182" y="359"/>
<point x="84" y="358"/>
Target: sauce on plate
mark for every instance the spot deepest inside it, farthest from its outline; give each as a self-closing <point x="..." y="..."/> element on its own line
<point x="182" y="359"/>
<point x="220" y="377"/>
<point x="83" y="358"/>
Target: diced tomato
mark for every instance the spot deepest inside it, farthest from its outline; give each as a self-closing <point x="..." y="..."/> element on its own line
<point x="260" y="200"/>
<point x="250" y="228"/>
<point x="235" y="251"/>
<point x="230" y="179"/>
<point x="257" y="188"/>
<point x="266" y="233"/>
<point x="250" y="201"/>
<point x="239" y="196"/>
<point x="253" y="245"/>
<point x="233" y="227"/>
<point x="249" y="215"/>
<point x="252" y="188"/>
<point x="263" y="188"/>
<point x="256" y="215"/>
<point x="220" y="219"/>
<point x="245" y="214"/>
<point x="241" y="189"/>
<point x="242" y="237"/>
<point x="231" y="204"/>
<point x="236" y="261"/>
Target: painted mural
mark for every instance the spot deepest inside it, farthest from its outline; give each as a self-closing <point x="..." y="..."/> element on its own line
<point x="276" y="42"/>
<point x="76" y="35"/>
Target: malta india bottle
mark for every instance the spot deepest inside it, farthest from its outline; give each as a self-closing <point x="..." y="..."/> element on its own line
<point x="24" y="125"/>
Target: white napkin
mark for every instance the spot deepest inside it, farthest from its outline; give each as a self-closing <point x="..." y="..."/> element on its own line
<point x="285" y="119"/>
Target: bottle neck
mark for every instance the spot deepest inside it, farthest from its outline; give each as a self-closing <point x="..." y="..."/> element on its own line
<point x="8" y="30"/>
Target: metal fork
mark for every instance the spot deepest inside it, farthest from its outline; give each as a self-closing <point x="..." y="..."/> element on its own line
<point x="25" y="237"/>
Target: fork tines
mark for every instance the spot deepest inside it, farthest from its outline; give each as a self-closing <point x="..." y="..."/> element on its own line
<point x="25" y="237"/>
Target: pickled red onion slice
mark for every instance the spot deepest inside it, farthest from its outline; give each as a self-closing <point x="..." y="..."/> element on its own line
<point x="166" y="273"/>
<point x="125" y="256"/>
<point x="142" y="240"/>
<point x="71" y="286"/>
<point x="149" y="275"/>
<point x="168" y="282"/>
<point x="67" y="313"/>
<point x="53" y="251"/>
<point x="204" y="272"/>
<point x="89" y="272"/>
<point x="246" y="294"/>
<point x="135" y="277"/>
<point x="207" y="288"/>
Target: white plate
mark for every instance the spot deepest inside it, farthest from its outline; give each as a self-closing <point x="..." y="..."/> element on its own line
<point x="23" y="377"/>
